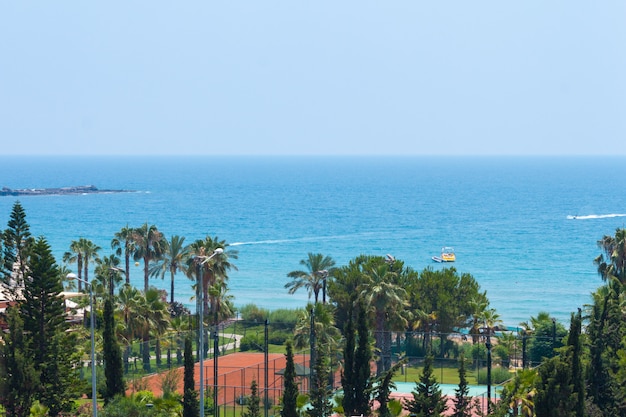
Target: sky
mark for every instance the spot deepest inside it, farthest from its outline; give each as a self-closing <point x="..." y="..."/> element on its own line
<point x="412" y="77"/>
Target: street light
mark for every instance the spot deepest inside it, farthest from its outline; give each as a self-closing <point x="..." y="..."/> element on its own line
<point x="94" y="402"/>
<point x="201" y="260"/>
<point x="324" y="275"/>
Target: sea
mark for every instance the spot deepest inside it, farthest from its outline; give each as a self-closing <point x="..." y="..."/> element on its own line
<point x="526" y="228"/>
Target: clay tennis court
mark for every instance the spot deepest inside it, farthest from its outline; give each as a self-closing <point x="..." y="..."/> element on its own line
<point x="236" y="371"/>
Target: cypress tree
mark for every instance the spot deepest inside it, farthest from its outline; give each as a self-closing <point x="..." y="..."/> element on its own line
<point x="605" y="332"/>
<point x="290" y="396"/>
<point x="191" y="406"/>
<point x="554" y="389"/>
<point x="427" y="398"/>
<point x="578" y="381"/>
<point x="43" y="310"/>
<point x="19" y="380"/>
<point x="113" y="370"/>
<point x="254" y="408"/>
<point x="320" y="393"/>
<point x="362" y="370"/>
<point x="348" y="375"/>
<point x="462" y="400"/>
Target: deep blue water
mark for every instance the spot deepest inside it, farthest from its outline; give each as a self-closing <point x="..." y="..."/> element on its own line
<point x="507" y="217"/>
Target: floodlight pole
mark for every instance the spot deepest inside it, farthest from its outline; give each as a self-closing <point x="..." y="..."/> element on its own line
<point x="200" y="260"/>
<point x="94" y="399"/>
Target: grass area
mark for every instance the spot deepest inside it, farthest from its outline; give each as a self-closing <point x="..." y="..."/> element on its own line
<point x="449" y="374"/>
<point x="444" y="374"/>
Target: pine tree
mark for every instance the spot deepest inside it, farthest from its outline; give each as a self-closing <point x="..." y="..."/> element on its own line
<point x="191" y="405"/>
<point x="254" y="407"/>
<point x="43" y="310"/>
<point x="462" y="400"/>
<point x="19" y="380"/>
<point x="17" y="241"/>
<point x="290" y="396"/>
<point x="427" y="398"/>
<point x="113" y="370"/>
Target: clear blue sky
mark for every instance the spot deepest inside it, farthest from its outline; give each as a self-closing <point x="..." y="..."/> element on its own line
<point x="313" y="77"/>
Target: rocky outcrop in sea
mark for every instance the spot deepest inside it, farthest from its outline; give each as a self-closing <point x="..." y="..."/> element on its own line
<point x="80" y="189"/>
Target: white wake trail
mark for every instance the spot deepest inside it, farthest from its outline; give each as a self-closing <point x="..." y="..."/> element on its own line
<point x="595" y="216"/>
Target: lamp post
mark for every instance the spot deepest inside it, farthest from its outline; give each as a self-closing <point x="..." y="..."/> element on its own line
<point x="201" y="260"/>
<point x="94" y="402"/>
<point x="324" y="275"/>
<point x="488" y="346"/>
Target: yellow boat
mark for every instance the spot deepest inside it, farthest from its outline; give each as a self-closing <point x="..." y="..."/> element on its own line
<point x="447" y="255"/>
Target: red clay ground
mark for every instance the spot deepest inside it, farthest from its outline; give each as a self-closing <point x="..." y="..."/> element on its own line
<point x="236" y="372"/>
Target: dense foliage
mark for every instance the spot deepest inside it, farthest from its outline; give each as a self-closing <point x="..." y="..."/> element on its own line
<point x="374" y="309"/>
<point x="427" y="400"/>
<point x="290" y="395"/>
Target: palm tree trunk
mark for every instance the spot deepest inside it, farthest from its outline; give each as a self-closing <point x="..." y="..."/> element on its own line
<point x="173" y="271"/>
<point x="79" y="266"/>
<point x="146" y="353"/>
<point x="146" y="274"/>
<point x="127" y="265"/>
<point x="380" y="336"/>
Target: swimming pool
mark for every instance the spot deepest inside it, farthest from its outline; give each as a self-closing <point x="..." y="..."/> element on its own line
<point x="446" y="389"/>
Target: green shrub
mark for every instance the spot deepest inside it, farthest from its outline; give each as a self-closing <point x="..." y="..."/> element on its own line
<point x="498" y="375"/>
<point x="252" y="314"/>
<point x="284" y="318"/>
<point x="278" y="338"/>
<point x="395" y="407"/>
<point x="250" y="342"/>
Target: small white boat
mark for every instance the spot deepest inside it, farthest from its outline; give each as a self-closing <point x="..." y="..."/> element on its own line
<point x="447" y="255"/>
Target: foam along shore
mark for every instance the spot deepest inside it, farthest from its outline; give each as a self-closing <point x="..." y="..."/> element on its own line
<point x="80" y="189"/>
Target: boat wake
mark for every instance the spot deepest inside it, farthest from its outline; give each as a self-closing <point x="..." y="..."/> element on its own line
<point x="302" y="239"/>
<point x="595" y="216"/>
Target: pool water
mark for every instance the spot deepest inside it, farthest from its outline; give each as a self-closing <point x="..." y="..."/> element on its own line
<point x="446" y="389"/>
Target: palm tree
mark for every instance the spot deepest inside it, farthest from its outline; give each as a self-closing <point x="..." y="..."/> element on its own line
<point x="129" y="301"/>
<point x="318" y="268"/>
<point x="212" y="271"/>
<point x="90" y="253"/>
<point x="154" y="322"/>
<point x="149" y="247"/>
<point x="478" y="306"/>
<point x="75" y="255"/>
<point x="614" y="248"/>
<point x="123" y="243"/>
<point x="490" y="320"/>
<point x="520" y="393"/>
<point x="387" y="301"/>
<point x="108" y="272"/>
<point x="175" y="256"/>
<point x="327" y="335"/>
<point x="223" y="301"/>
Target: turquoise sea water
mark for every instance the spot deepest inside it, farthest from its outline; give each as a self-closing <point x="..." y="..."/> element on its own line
<point x="510" y="219"/>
